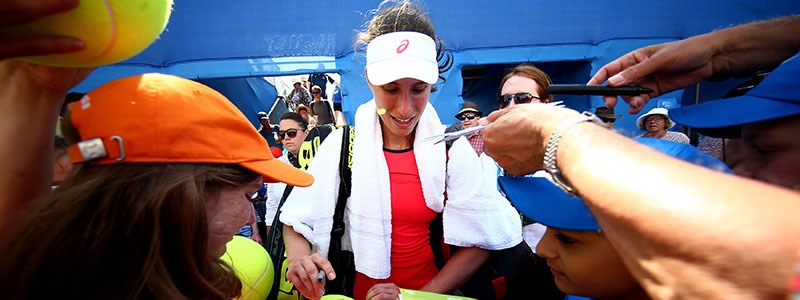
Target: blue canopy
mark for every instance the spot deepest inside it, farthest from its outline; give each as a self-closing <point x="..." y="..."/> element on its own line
<point x="569" y="39"/>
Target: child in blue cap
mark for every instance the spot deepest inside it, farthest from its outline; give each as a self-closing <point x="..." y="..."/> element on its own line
<point x="582" y="260"/>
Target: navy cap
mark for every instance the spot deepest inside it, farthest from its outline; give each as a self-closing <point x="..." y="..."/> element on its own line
<point x="539" y="199"/>
<point x="777" y="96"/>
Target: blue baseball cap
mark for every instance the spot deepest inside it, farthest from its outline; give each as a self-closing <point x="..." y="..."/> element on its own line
<point x="777" y="96"/>
<point x="539" y="199"/>
<point x="542" y="201"/>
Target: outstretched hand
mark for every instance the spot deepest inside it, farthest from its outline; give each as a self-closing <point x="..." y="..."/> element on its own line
<point x="516" y="137"/>
<point x="662" y="68"/>
<point x="16" y="12"/>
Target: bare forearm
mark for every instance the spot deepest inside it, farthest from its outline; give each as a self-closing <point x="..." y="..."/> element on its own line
<point x="684" y="231"/>
<point x="28" y="117"/>
<point x="458" y="269"/>
<point x="296" y="244"/>
<point x="754" y="46"/>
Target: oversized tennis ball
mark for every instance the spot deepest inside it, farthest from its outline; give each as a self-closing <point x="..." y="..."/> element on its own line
<point x="113" y="30"/>
<point x="335" y="297"/>
<point x="252" y="265"/>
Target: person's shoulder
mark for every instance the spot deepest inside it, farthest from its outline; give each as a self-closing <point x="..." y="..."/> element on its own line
<point x="323" y="130"/>
<point x="679" y="137"/>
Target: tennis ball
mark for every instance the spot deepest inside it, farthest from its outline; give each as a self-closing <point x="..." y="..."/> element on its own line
<point x="335" y="297"/>
<point x="252" y="265"/>
<point x="113" y="30"/>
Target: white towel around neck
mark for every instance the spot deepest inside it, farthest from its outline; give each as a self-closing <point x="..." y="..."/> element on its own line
<point x="477" y="216"/>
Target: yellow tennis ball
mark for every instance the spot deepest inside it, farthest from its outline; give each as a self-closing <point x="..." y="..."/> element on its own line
<point x="113" y="30"/>
<point x="335" y="297"/>
<point x="252" y="265"/>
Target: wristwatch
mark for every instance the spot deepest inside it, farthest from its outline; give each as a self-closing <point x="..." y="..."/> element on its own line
<point x="550" y="163"/>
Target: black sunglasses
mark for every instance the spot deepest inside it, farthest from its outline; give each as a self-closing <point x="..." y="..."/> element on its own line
<point x="519" y="98"/>
<point x="465" y="117"/>
<point x="608" y="120"/>
<point x="316" y="92"/>
<point x="290" y="132"/>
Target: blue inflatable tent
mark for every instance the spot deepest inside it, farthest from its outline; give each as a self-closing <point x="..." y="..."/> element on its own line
<point x="228" y="44"/>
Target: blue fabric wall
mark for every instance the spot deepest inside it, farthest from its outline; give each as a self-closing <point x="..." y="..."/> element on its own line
<point x="209" y="39"/>
<point x="250" y="95"/>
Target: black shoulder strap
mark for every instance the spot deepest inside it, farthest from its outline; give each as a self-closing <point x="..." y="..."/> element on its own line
<point x="340" y="260"/>
<point x="275" y="246"/>
<point x="275" y="236"/>
<point x="345" y="176"/>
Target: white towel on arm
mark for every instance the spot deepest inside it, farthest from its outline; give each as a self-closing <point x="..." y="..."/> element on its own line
<point x="476" y="215"/>
<point x="309" y="210"/>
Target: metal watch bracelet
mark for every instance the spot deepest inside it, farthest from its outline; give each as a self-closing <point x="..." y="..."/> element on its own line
<point x="550" y="163"/>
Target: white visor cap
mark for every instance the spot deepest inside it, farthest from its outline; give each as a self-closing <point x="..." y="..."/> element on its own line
<point x="403" y="54"/>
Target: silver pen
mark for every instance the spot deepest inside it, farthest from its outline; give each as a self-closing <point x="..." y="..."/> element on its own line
<point x="449" y="136"/>
<point x="321" y="275"/>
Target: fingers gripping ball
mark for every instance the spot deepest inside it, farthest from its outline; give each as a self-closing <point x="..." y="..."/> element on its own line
<point x="113" y="30"/>
<point x="253" y="266"/>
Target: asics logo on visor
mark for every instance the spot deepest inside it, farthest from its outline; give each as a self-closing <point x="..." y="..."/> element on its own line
<point x="402" y="47"/>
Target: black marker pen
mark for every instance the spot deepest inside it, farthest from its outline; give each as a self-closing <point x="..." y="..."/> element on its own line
<point x="603" y="90"/>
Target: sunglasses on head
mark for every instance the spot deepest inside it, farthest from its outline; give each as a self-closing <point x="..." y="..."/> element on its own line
<point x="292" y="132"/>
<point x="466" y="116"/>
<point x="519" y="98"/>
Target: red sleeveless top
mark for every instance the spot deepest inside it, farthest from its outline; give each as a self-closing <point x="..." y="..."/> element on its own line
<point x="411" y="256"/>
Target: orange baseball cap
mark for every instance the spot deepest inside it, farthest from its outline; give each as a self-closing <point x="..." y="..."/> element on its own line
<point x="158" y="118"/>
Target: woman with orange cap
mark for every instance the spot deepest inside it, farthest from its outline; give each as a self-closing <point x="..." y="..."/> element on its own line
<point x="159" y="187"/>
